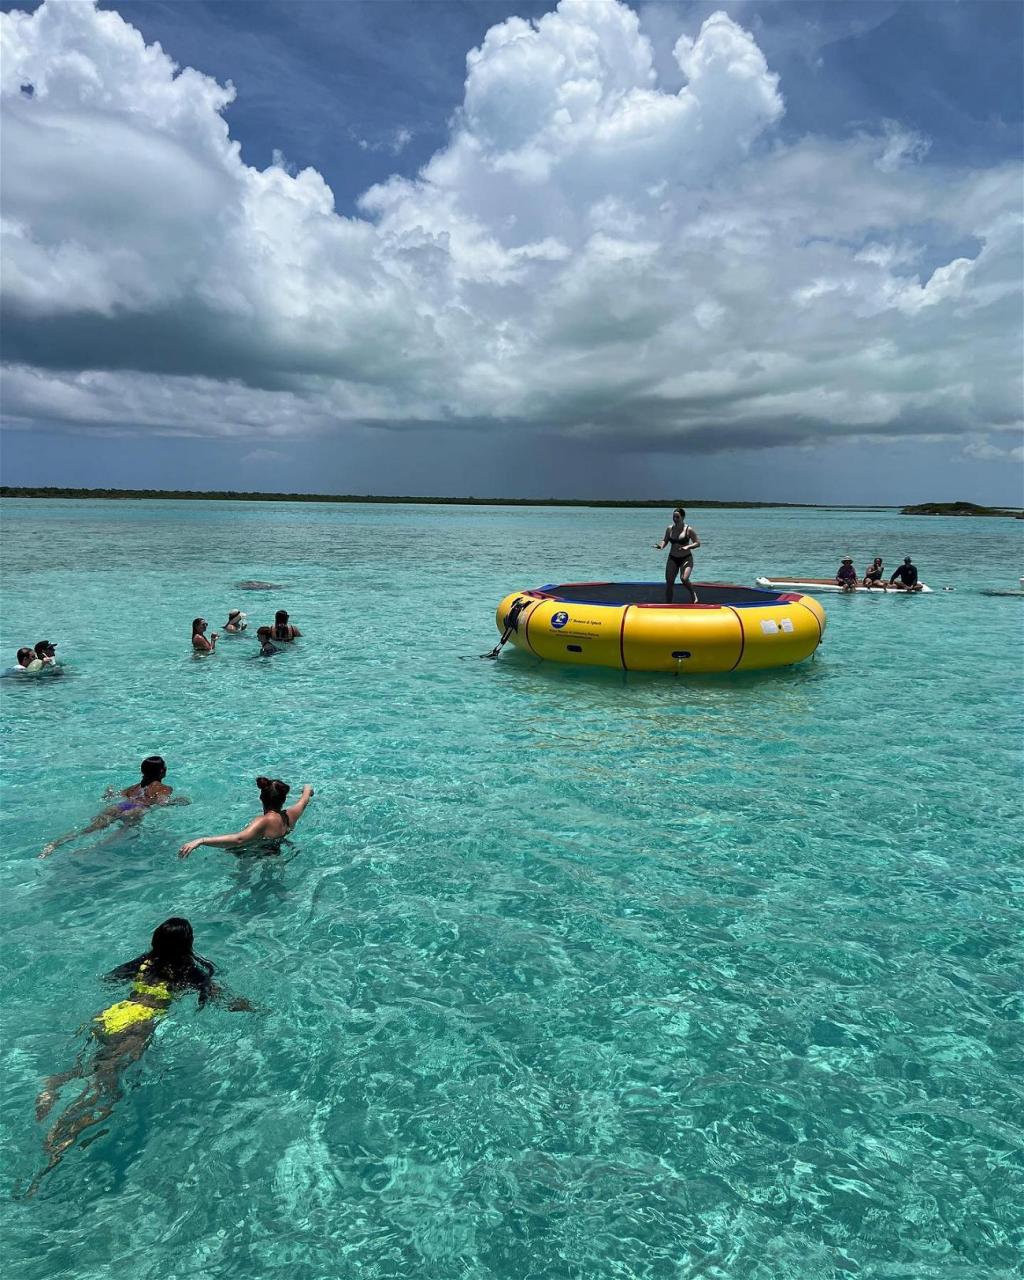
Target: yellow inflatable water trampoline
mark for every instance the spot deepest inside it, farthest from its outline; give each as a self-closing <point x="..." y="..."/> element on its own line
<point x="627" y="625"/>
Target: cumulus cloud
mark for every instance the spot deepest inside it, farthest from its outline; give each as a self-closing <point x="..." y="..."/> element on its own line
<point x="589" y="253"/>
<point x="395" y="142"/>
<point x="982" y="447"/>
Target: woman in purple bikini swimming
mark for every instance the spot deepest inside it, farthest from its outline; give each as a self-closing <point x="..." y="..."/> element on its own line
<point x="130" y="805"/>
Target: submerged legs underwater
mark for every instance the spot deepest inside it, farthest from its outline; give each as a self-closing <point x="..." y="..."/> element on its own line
<point x="101" y="1090"/>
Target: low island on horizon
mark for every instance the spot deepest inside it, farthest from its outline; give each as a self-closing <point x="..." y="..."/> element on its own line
<point x="229" y="495"/>
<point x="960" y="509"/>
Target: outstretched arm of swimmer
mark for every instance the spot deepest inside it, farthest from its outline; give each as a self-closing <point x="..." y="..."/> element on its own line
<point x="694" y="542"/>
<point x="296" y="810"/>
<point x="214" y="993"/>
<point x="250" y="833"/>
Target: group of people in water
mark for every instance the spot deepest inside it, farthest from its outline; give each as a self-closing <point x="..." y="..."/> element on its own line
<point x="282" y="631"/>
<point x="121" y="1032"/>
<point x="43" y="657"/>
<point x="128" y="806"/>
<point x="37" y="657"/>
<point x="904" y="578"/>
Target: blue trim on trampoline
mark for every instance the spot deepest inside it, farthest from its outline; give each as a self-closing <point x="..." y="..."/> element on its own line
<point x="770" y="597"/>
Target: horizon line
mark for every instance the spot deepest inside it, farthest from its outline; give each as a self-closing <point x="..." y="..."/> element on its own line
<point x="245" y="495"/>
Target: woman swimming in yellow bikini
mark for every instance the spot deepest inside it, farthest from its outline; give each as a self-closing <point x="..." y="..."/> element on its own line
<point x="122" y="1031"/>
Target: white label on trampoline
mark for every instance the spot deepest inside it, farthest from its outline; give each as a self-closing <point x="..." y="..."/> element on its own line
<point x="769" y="626"/>
<point x="786" y="624"/>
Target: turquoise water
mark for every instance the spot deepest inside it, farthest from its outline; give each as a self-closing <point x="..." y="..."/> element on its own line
<point x="568" y="973"/>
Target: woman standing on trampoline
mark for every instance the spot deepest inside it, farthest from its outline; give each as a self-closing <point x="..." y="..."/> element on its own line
<point x="682" y="541"/>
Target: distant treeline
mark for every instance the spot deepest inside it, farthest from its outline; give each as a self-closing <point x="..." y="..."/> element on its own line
<point x="231" y="495"/>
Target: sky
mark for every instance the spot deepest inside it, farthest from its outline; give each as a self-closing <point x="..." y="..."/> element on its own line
<point x="763" y="251"/>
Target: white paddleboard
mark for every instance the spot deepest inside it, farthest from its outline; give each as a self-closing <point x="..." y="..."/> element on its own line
<point x="814" y="585"/>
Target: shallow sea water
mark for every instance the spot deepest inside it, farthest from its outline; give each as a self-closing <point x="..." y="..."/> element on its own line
<point x="566" y="973"/>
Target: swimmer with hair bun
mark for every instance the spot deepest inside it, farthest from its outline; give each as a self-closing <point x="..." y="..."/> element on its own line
<point x="269" y="829"/>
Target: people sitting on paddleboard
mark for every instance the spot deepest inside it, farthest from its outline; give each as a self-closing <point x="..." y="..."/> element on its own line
<point x="236" y="622"/>
<point x="267" y="647"/>
<point x="199" y="641"/>
<point x="269" y="829"/>
<point x="131" y="803"/>
<point x="905" y="577"/>
<point x="874" y="574"/>
<point x="681" y="539"/>
<point x="283" y="629"/>
<point x="846" y="577"/>
<point x="121" y="1032"/>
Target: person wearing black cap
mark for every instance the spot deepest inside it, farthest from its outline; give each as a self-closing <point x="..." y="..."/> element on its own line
<point x="905" y="577"/>
<point x="130" y="804"/>
<point x="846" y="577"/>
<point x="45" y="653"/>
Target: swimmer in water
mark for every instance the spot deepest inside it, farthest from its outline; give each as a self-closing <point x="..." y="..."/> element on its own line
<point x="131" y="803"/>
<point x="27" y="659"/>
<point x="46" y="654"/>
<point x="267" y="646"/>
<point x="269" y="829"/>
<point x="122" y="1031"/>
<point x="199" y="640"/>
<point x="283" y="629"/>
<point x="236" y="622"/>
